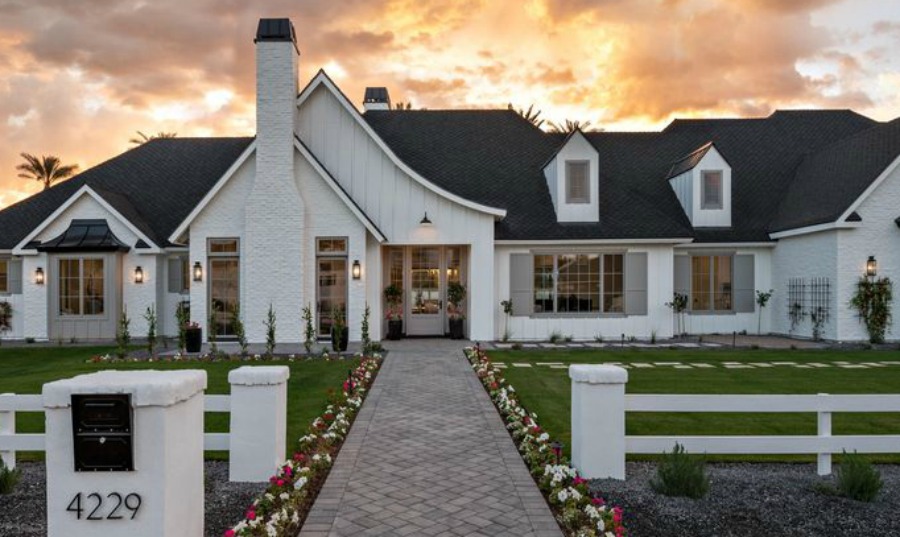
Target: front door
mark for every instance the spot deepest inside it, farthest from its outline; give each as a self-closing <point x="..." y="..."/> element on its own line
<point x="425" y="295"/>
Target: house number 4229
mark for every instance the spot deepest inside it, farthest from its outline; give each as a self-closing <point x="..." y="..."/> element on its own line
<point x="114" y="506"/>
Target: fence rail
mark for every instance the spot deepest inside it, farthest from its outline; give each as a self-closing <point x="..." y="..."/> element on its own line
<point x="599" y="406"/>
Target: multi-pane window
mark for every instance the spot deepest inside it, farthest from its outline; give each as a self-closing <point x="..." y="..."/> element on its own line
<point x="711" y="288"/>
<point x="711" y="190"/>
<point x="331" y="281"/>
<point x="4" y="276"/>
<point x="579" y="283"/>
<point x="224" y="284"/>
<point x="185" y="275"/>
<point x="81" y="286"/>
<point x="578" y="185"/>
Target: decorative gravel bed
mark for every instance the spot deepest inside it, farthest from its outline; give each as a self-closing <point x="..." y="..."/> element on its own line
<point x="753" y="500"/>
<point x="23" y="513"/>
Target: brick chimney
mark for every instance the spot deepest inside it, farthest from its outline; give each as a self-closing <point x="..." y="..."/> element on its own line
<point x="272" y="246"/>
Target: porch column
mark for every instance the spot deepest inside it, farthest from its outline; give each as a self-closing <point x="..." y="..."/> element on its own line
<point x="481" y="291"/>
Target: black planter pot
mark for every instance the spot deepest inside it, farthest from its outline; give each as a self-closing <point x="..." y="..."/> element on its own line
<point x="193" y="339"/>
<point x="395" y="330"/>
<point x="456" y="329"/>
<point x="339" y="342"/>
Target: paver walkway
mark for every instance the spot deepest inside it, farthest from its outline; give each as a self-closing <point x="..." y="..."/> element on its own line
<point x="429" y="455"/>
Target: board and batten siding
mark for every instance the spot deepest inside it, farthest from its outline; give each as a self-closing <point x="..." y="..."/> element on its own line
<point x="647" y="286"/>
<point x="396" y="203"/>
<point x="683" y="185"/>
<point x="751" y="271"/>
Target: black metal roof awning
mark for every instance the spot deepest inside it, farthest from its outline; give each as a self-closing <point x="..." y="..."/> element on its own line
<point x="85" y="236"/>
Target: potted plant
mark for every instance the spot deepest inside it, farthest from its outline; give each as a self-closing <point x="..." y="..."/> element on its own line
<point x="339" y="332"/>
<point x="193" y="337"/>
<point x="456" y="293"/>
<point x="393" y="297"/>
<point x="5" y="317"/>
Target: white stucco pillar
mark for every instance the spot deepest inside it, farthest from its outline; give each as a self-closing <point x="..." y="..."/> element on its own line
<point x="162" y="493"/>
<point x="598" y="420"/>
<point x="258" y="430"/>
<point x="481" y="291"/>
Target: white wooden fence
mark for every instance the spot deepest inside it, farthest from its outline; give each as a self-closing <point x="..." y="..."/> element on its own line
<point x="602" y="387"/>
<point x="253" y="439"/>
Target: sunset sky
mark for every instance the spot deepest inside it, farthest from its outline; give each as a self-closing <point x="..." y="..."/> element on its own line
<point x="78" y="78"/>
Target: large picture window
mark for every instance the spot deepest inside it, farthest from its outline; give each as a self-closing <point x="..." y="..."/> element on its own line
<point x="579" y="283"/>
<point x="711" y="283"/>
<point x="224" y="283"/>
<point x="82" y="288"/>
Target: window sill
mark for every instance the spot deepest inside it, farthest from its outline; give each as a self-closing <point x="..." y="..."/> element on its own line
<point x="713" y="312"/>
<point x="574" y="316"/>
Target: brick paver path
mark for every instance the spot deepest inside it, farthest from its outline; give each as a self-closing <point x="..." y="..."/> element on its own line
<point x="428" y="455"/>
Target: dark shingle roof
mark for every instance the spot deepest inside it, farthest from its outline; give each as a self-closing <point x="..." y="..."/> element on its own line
<point x="689" y="161"/>
<point x="85" y="236"/>
<point x="495" y="157"/>
<point x="830" y="180"/>
<point x="155" y="186"/>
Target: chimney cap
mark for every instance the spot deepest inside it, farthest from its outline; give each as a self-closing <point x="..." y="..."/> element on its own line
<point x="275" y="30"/>
<point x="377" y="95"/>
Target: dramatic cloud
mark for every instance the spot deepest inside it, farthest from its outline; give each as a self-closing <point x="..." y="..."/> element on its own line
<point x="77" y="79"/>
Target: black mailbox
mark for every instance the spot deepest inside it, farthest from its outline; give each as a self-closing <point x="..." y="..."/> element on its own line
<point x="101" y="425"/>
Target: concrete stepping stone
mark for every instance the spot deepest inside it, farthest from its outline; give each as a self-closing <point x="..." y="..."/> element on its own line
<point x="703" y="366"/>
<point x="529" y="345"/>
<point x="641" y="365"/>
<point x="763" y="364"/>
<point x="559" y="367"/>
<point x="803" y="366"/>
<point x="683" y="367"/>
<point x="666" y="363"/>
<point x="687" y="345"/>
<point x="548" y="363"/>
<point x="784" y="363"/>
<point x="873" y="364"/>
<point x="816" y="364"/>
<point x="503" y="345"/>
<point x="738" y="366"/>
<point x="855" y="366"/>
<point x="521" y="365"/>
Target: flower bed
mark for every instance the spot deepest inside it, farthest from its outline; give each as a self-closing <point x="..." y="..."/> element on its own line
<point x="283" y="507"/>
<point x="224" y="357"/>
<point x="578" y="513"/>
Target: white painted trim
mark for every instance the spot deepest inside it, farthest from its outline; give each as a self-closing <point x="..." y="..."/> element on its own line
<point x="867" y="192"/>
<point x="322" y="78"/>
<point x="183" y="226"/>
<point x="719" y="245"/>
<point x="525" y="243"/>
<point x="85" y="190"/>
<point x="330" y="181"/>
<point x="814" y="229"/>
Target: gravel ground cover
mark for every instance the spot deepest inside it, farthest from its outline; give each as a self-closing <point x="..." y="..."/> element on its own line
<point x="747" y="499"/>
<point x="23" y="513"/>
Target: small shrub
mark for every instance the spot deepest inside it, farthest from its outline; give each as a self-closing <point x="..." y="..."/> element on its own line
<point x="211" y="334"/>
<point x="150" y="317"/>
<point x="680" y="474"/>
<point x="8" y="478"/>
<point x="270" y="331"/>
<point x="568" y="339"/>
<point x="555" y="336"/>
<point x="367" y="347"/>
<point x="516" y="346"/>
<point x="237" y="325"/>
<point x="653" y="337"/>
<point x="29" y="340"/>
<point x="309" y="330"/>
<point x="182" y="317"/>
<point x="123" y="335"/>
<point x="857" y="479"/>
<point x="598" y="338"/>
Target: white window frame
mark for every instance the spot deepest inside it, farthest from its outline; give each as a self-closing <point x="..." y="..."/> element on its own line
<point x="704" y="204"/>
<point x="579" y="200"/>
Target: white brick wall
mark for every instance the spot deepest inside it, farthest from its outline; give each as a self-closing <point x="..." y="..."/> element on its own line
<point x="804" y="256"/>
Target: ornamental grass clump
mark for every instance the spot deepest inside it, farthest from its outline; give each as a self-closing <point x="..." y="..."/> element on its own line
<point x="680" y="474"/>
<point x="9" y="478"/>
<point x="857" y="479"/>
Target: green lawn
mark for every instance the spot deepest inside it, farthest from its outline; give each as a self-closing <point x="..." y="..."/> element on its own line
<point x="548" y="392"/>
<point x="25" y="369"/>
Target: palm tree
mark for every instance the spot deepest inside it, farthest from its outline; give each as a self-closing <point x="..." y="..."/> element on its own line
<point x="570" y="126"/>
<point x="531" y="115"/>
<point x="143" y="138"/>
<point x="47" y="169"/>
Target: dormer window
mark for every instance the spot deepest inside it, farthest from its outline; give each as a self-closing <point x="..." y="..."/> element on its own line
<point x="578" y="185"/>
<point x="711" y="189"/>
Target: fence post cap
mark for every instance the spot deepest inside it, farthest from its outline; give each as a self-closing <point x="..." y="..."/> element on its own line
<point x="259" y="375"/>
<point x="598" y="374"/>
<point x="147" y="387"/>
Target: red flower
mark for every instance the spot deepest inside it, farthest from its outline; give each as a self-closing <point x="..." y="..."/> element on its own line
<point x="598" y="501"/>
<point x="229" y="533"/>
<point x="251" y="515"/>
<point x="299" y="457"/>
<point x="280" y="482"/>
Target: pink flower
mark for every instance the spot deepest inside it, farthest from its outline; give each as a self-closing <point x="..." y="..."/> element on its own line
<point x="229" y="533"/>
<point x="579" y="480"/>
<point x="287" y="471"/>
<point x="598" y="501"/>
<point x="280" y="482"/>
<point x="299" y="457"/>
<point x="251" y="515"/>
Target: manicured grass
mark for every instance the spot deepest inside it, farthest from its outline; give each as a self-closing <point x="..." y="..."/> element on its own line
<point x="25" y="369"/>
<point x="548" y="391"/>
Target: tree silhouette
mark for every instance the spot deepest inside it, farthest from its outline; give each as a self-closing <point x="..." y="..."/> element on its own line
<point x="571" y="126"/>
<point x="47" y="169"/>
<point x="143" y="138"/>
<point x="531" y="115"/>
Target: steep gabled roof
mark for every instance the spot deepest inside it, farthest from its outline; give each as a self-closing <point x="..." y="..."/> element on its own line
<point x="154" y="186"/>
<point x="830" y="180"/>
<point x="689" y="161"/>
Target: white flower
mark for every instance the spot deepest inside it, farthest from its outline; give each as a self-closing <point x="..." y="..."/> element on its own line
<point x="562" y="496"/>
<point x="284" y="496"/>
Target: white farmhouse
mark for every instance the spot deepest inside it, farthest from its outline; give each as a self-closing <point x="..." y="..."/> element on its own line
<point x="588" y="234"/>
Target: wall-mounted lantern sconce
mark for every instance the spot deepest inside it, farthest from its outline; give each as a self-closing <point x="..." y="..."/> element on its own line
<point x="425" y="222"/>
<point x="138" y="274"/>
<point x="39" y="275"/>
<point x="356" y="270"/>
<point x="871" y="267"/>
<point x="198" y="271"/>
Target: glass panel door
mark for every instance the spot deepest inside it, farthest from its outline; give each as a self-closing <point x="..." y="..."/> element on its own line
<point x="425" y="287"/>
<point x="223" y="292"/>
<point x="331" y="285"/>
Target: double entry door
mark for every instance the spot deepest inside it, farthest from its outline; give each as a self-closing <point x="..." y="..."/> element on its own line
<point x="427" y="272"/>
